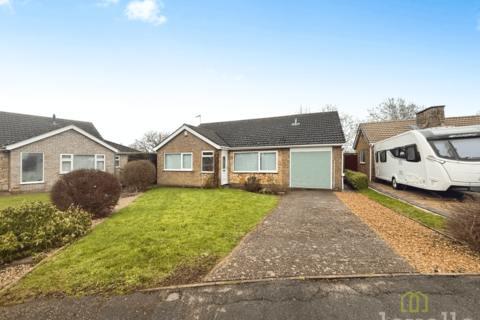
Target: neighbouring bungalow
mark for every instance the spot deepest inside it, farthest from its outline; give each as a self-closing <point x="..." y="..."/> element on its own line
<point x="372" y="132"/>
<point x="296" y="151"/>
<point x="35" y="151"/>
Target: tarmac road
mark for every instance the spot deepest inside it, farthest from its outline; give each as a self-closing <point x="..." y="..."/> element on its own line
<point x="449" y="298"/>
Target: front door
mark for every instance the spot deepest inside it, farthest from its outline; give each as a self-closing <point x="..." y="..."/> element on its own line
<point x="224" y="164"/>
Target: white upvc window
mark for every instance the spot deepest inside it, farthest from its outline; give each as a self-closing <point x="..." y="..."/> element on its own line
<point x="255" y="161"/>
<point x="362" y="156"/>
<point x="31" y="167"/>
<point x="117" y="161"/>
<point x="182" y="161"/>
<point x="69" y="162"/>
<point x="208" y="164"/>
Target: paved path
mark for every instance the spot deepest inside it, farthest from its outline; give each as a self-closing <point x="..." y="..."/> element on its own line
<point x="360" y="299"/>
<point x="310" y="233"/>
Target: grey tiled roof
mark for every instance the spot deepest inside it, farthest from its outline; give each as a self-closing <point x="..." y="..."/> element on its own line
<point x="121" y="147"/>
<point x="209" y="134"/>
<point x="313" y="129"/>
<point x="16" y="127"/>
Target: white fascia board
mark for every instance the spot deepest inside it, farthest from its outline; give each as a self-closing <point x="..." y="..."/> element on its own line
<point x="286" y="147"/>
<point x="198" y="135"/>
<point x="58" y="131"/>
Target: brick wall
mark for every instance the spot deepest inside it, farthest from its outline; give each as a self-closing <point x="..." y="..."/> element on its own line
<point x="66" y="142"/>
<point x="4" y="160"/>
<point x="364" y="168"/>
<point x="337" y="167"/>
<point x="282" y="177"/>
<point x="194" y="178"/>
<point x="123" y="162"/>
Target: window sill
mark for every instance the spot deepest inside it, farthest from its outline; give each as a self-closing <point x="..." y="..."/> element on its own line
<point x="177" y="170"/>
<point x="255" y="171"/>
<point x="362" y="162"/>
<point x="208" y="171"/>
<point x="34" y="182"/>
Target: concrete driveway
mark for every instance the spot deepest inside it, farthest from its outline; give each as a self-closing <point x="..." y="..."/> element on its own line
<point x="309" y="233"/>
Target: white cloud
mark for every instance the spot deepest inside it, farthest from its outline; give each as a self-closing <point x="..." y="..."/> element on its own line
<point x="146" y="10"/>
<point x="5" y="2"/>
<point x="105" y="3"/>
<point x="241" y="77"/>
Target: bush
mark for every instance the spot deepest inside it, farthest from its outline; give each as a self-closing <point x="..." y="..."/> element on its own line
<point x="252" y="184"/>
<point x="137" y="175"/>
<point x="30" y="228"/>
<point x="357" y="180"/>
<point x="272" y="185"/>
<point x="209" y="182"/>
<point x="465" y="226"/>
<point x="94" y="191"/>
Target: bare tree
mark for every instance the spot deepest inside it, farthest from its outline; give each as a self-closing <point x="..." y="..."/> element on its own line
<point x="478" y="113"/>
<point x="150" y="140"/>
<point x="391" y="109"/>
<point x="303" y="110"/>
<point x="349" y="125"/>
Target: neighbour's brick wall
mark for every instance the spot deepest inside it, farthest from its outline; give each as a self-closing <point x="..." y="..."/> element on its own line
<point x="282" y="177"/>
<point x="4" y="171"/>
<point x="194" y="178"/>
<point x="337" y="168"/>
<point x="66" y="142"/>
<point x="364" y="168"/>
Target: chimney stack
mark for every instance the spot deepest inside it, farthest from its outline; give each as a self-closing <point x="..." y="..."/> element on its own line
<point x="431" y="117"/>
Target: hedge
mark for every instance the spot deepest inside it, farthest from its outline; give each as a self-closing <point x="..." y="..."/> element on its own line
<point x="357" y="180"/>
<point x="34" y="227"/>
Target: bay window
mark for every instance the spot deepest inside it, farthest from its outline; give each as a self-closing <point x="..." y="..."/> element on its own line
<point x="178" y="161"/>
<point x="262" y="161"/>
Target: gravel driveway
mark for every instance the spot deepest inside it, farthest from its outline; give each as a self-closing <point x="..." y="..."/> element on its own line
<point x="311" y="232"/>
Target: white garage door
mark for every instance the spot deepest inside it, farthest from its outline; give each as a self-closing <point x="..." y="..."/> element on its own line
<point x="311" y="168"/>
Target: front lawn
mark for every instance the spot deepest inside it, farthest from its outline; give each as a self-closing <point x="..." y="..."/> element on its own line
<point x="167" y="236"/>
<point x="13" y="201"/>
<point x="429" y="219"/>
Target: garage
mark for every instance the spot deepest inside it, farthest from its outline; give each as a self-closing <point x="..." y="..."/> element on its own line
<point x="311" y="168"/>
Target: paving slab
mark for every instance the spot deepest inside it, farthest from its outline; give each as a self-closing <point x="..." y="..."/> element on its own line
<point x="311" y="232"/>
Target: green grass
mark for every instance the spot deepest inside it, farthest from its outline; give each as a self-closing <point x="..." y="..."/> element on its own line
<point x="140" y="245"/>
<point x="431" y="220"/>
<point x="13" y="201"/>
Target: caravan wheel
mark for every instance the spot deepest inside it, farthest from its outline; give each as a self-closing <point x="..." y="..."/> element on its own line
<point x="395" y="185"/>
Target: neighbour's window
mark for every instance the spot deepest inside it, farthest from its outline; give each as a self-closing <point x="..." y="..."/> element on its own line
<point x="362" y="156"/>
<point x="117" y="161"/>
<point x="207" y="161"/>
<point x="265" y="161"/>
<point x="383" y="156"/>
<point x="178" y="161"/>
<point x="31" y="167"/>
<point x="69" y="162"/>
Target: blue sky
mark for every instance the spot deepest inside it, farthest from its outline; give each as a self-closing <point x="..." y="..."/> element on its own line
<point x="132" y="66"/>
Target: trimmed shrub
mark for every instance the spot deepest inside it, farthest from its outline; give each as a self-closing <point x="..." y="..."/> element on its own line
<point x="30" y="228"/>
<point x="465" y="226"/>
<point x="273" y="185"/>
<point x="138" y="175"/>
<point x="357" y="180"/>
<point x="252" y="184"/>
<point x="94" y="191"/>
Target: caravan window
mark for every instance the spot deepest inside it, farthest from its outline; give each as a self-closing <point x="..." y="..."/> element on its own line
<point x="376" y="156"/>
<point x="383" y="156"/>
<point x="467" y="149"/>
<point x="412" y="153"/>
<point x="443" y="149"/>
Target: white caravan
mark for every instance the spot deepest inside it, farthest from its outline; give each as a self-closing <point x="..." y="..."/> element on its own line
<point x="433" y="159"/>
